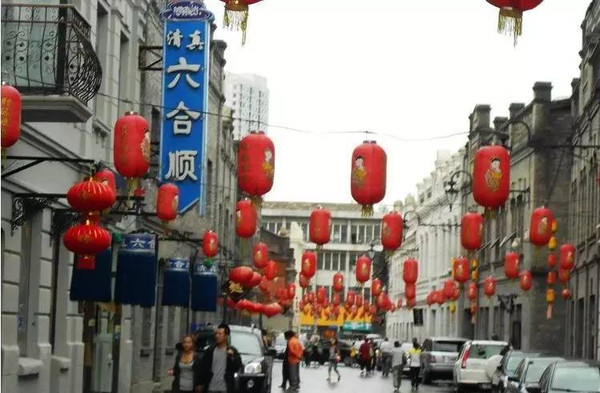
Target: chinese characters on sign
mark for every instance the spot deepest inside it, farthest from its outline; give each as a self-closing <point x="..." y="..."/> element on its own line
<point x="185" y="100"/>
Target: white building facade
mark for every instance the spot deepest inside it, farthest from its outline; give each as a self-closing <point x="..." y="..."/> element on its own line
<point x="248" y="96"/>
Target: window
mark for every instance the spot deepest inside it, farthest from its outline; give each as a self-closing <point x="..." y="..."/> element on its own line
<point x="337" y="234"/>
<point x="124" y="67"/>
<point x="327" y="257"/>
<point x="368" y="233"/>
<point x="320" y="261"/>
<point x="304" y="227"/>
<point x="344" y="237"/>
<point x="353" y="234"/>
<point x="342" y="267"/>
<point x="377" y="231"/>
<point x="360" y="239"/>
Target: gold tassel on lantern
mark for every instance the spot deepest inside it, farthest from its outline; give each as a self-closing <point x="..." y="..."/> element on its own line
<point x="236" y="17"/>
<point x="510" y="22"/>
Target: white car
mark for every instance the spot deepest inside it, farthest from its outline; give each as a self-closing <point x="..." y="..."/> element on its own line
<point x="470" y="368"/>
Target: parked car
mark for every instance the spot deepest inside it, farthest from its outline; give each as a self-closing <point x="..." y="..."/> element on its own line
<point x="528" y="373"/>
<point x="569" y="376"/>
<point x="507" y="367"/>
<point x="344" y="347"/>
<point x="438" y="357"/>
<point x="470" y="368"/>
<point x="255" y="377"/>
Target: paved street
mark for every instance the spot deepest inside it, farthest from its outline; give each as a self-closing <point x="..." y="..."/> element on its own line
<point x="315" y="380"/>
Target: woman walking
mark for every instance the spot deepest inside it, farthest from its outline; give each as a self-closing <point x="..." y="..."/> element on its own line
<point x="334" y="359"/>
<point x="186" y="369"/>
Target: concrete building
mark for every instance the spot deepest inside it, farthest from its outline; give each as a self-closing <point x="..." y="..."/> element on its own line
<point x="539" y="176"/>
<point x="351" y="236"/>
<point x="584" y="224"/>
<point x="434" y="239"/>
<point x="248" y="95"/>
<point x="48" y="344"/>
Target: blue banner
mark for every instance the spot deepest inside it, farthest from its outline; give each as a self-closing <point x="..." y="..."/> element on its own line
<point x="186" y="60"/>
<point x="135" y="282"/>
<point x="176" y="285"/>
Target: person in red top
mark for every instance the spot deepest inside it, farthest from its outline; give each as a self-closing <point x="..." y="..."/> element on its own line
<point x="365" y="357"/>
<point x="295" y="353"/>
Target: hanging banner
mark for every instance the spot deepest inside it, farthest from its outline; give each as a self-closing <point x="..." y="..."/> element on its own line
<point x="186" y="51"/>
<point x="204" y="288"/>
<point x="135" y="282"/>
<point x="176" y="285"/>
<point x="93" y="284"/>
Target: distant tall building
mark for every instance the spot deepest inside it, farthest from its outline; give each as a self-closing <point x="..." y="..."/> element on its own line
<point x="248" y="95"/>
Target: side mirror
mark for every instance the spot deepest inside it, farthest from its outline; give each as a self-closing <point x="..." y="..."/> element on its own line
<point x="534" y="388"/>
<point x="271" y="352"/>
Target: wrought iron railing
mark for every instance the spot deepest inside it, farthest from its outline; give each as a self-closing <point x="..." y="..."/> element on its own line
<point x="46" y="50"/>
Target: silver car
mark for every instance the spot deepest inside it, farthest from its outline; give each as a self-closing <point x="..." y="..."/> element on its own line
<point x="438" y="357"/>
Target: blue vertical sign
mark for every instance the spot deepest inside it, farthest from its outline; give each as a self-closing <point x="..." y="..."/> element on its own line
<point x="186" y="51"/>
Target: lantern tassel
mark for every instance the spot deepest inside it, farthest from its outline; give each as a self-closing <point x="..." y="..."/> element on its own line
<point x="489" y="214"/>
<point x="510" y="22"/>
<point x="367" y="210"/>
<point x="86" y="262"/>
<point x="549" y="312"/>
<point x="256" y="203"/>
<point x="236" y="17"/>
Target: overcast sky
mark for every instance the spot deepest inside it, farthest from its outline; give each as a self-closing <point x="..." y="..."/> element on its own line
<point x="414" y="69"/>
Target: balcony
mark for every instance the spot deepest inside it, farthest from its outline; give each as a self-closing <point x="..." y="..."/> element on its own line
<point x="47" y="55"/>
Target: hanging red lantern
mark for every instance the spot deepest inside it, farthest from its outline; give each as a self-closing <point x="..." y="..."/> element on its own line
<point x="551" y="278"/>
<point x="551" y="261"/>
<point x="410" y="271"/>
<point x="410" y="291"/>
<point x="540" y="227"/>
<point x="510" y="20"/>
<point x="448" y="289"/>
<point x="236" y="15"/>
<point x="381" y="301"/>
<point x="526" y="280"/>
<point x="472" y="291"/>
<point x="550" y="299"/>
<point x="350" y="298"/>
<point x="90" y="195"/>
<point x="107" y="177"/>
<point x="311" y="297"/>
<point x="474" y="308"/>
<point x="368" y="175"/>
<point x="256" y="165"/>
<point x="255" y="280"/>
<point x="321" y="295"/>
<point x="210" y="244"/>
<point x="376" y="287"/>
<point x="440" y="297"/>
<point x="491" y="176"/>
<point x="430" y="299"/>
<point x="337" y="300"/>
<point x="471" y="231"/>
<point x="363" y="269"/>
<point x="489" y="286"/>
<point x="338" y="282"/>
<point x="567" y="256"/>
<point x="291" y="291"/>
<point x="231" y="304"/>
<point x="461" y="270"/>
<point x="359" y="300"/>
<point x="272" y="309"/>
<point x="11" y="115"/>
<point x="309" y="264"/>
<point x="319" y="228"/>
<point x="411" y="303"/>
<point x="132" y="146"/>
<point x="241" y="275"/>
<point x="260" y="255"/>
<point x="271" y="270"/>
<point x="564" y="275"/>
<point x="304" y="282"/>
<point x="512" y="261"/>
<point x="264" y="285"/>
<point x="392" y="227"/>
<point x="87" y="240"/>
<point x="167" y="202"/>
<point x="373" y="309"/>
<point x="245" y="219"/>
<point x="566" y="294"/>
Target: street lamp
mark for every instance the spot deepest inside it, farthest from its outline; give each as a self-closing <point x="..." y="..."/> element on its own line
<point x="451" y="188"/>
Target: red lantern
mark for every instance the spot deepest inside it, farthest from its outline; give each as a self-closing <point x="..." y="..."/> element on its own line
<point x="132" y="146"/>
<point x="291" y="291"/>
<point x="430" y="299"/>
<point x="255" y="280"/>
<point x="90" y="195"/>
<point x="461" y="270"/>
<point x="474" y="308"/>
<point x="373" y="309"/>
<point x="551" y="278"/>
<point x="400" y="303"/>
<point x="231" y="304"/>
<point x="525" y="280"/>
<point x="381" y="301"/>
<point x="350" y="298"/>
<point x="304" y="282"/>
<point x="264" y="286"/>
<point x="241" y="275"/>
<point x="245" y="219"/>
<point x="359" y="300"/>
<point x="511" y="265"/>
<point x="564" y="275"/>
<point x="363" y="269"/>
<point x="410" y="271"/>
<point x="550" y="296"/>
<point x="311" y="297"/>
<point x="319" y="228"/>
<point x="236" y="15"/>
<point x="540" y="227"/>
<point x="309" y="264"/>
<point x="271" y="270"/>
<point x="551" y="261"/>
<point x="471" y="230"/>
<point x="448" y="289"/>
<point x="440" y="298"/>
<point x="411" y="303"/>
<point x="210" y="244"/>
<point x="567" y="256"/>
<point x="87" y="240"/>
<point x="472" y="291"/>
<point x="107" y="177"/>
<point x="392" y="227"/>
<point x="321" y="295"/>
<point x="260" y="255"/>
<point x="167" y="202"/>
<point x="338" y="282"/>
<point x="11" y="115"/>
<point x="376" y="287"/>
<point x="336" y="299"/>
<point x="256" y="164"/>
<point x="566" y="294"/>
<point x="272" y="309"/>
<point x="489" y="286"/>
<point x="491" y="176"/>
<point x="368" y="175"/>
<point x="510" y="20"/>
<point x="410" y="291"/>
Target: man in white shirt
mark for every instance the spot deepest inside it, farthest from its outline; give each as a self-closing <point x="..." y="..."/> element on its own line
<point x="398" y="363"/>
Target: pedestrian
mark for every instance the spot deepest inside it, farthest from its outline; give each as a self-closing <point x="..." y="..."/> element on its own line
<point x="373" y="357"/>
<point x="186" y="369"/>
<point x="265" y="338"/>
<point x="294" y="357"/>
<point x="398" y="363"/>
<point x="285" y="367"/>
<point x="365" y="357"/>
<point x="415" y="364"/>
<point x="334" y="359"/>
<point x="385" y="349"/>
<point x="219" y="364"/>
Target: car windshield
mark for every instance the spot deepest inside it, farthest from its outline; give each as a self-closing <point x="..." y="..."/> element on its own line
<point x="447" y="346"/>
<point x="484" y="351"/>
<point x="513" y="361"/>
<point x="576" y="379"/>
<point x="536" y="369"/>
<point x="246" y="343"/>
